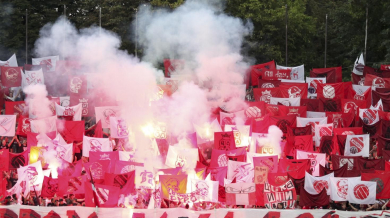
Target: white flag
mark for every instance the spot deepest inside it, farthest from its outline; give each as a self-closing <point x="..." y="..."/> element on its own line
<point x="144" y="178"/>
<point x="104" y="114"/>
<point x="302" y="122"/>
<point x="322" y="130"/>
<point x="44" y="125"/>
<point x="286" y="101"/>
<point x="32" y="78"/>
<point x="95" y="144"/>
<point x="7" y="125"/>
<point x="357" y="145"/>
<point x="369" y="116"/>
<point x="242" y="171"/>
<point x="33" y="174"/>
<point x="49" y="61"/>
<point x="316" y="159"/>
<point x="297" y="73"/>
<point x="361" y="192"/>
<point x="313" y="114"/>
<point x="118" y="128"/>
<point x="204" y="190"/>
<point x="314" y="185"/>
<point x="182" y="157"/>
<point x="74" y="111"/>
<point x="359" y="65"/>
<point x="339" y="188"/>
<point x="11" y="62"/>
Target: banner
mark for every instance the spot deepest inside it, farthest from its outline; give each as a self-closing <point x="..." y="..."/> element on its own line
<point x="240" y="194"/>
<point x="314" y="185"/>
<point x="361" y="192"/>
<point x="293" y="90"/>
<point x="297" y="73"/>
<point x="316" y="159"/>
<point x="265" y="94"/>
<point x="104" y="114"/>
<point x="357" y="145"/>
<point x="7" y="125"/>
<point x="285" y="194"/>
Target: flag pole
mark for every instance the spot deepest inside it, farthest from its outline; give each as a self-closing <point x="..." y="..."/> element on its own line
<point x="136" y="32"/>
<point x="326" y="36"/>
<point x="65" y="10"/>
<point x="100" y="19"/>
<point x="26" y="38"/>
<point x="365" y="43"/>
<point x="286" y="37"/>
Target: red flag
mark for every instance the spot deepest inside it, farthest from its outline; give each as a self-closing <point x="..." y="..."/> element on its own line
<point x="348" y="131"/>
<point x="385" y="67"/>
<point x="340" y="172"/>
<point x="330" y="90"/>
<point x="328" y="145"/>
<point x="138" y="215"/>
<point x="118" y="180"/>
<point x="32" y="138"/>
<point x="352" y="105"/>
<point x="382" y="144"/>
<point x="265" y="94"/>
<point x="376" y="72"/>
<point x="339" y="161"/>
<point x="329" y="74"/>
<point x="11" y="76"/>
<point x="224" y="141"/>
<point x="255" y="110"/>
<point x="267" y="161"/>
<point x="329" y="105"/>
<point x="172" y="66"/>
<point x="358" y="79"/>
<point x="165" y="215"/>
<point x="18" y="160"/>
<point x="282" y="122"/>
<point x="230" y="214"/>
<point x="374" y="130"/>
<point x="72" y="130"/>
<point x="95" y="131"/>
<point x="107" y="196"/>
<point x="16" y="107"/>
<point x="376" y="81"/>
<point x="299" y="111"/>
<point x="70" y="185"/>
<point x="309" y="200"/>
<point x="340" y="120"/>
<point x="311" y="104"/>
<point x="360" y="93"/>
<point x="297" y="131"/>
<point x="4" y="157"/>
<point x="207" y="215"/>
<point x="23" y="126"/>
<point x="293" y="90"/>
<point x="49" y="187"/>
<point x="385" y="129"/>
<point x="257" y="71"/>
<point x="268" y="84"/>
<point x="87" y="103"/>
<point x="382" y="183"/>
<point x="218" y="174"/>
<point x="370" y="164"/>
<point x="277" y="179"/>
<point x="385" y="97"/>
<point x="272" y="110"/>
<point x="296" y="168"/>
<point x="294" y="143"/>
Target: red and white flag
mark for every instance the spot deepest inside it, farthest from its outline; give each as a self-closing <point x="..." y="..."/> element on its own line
<point x="359" y="65"/>
<point x="204" y="190"/>
<point x="74" y="111"/>
<point x="95" y="144"/>
<point x="297" y="73"/>
<point x="241" y="134"/>
<point x="241" y="171"/>
<point x="33" y="174"/>
<point x="369" y="116"/>
<point x="49" y="62"/>
<point x="314" y="185"/>
<point x="316" y="159"/>
<point x="182" y="157"/>
<point x="11" y="76"/>
<point x="357" y="145"/>
<point x="286" y="101"/>
<point x="322" y="130"/>
<point x="240" y="194"/>
<point x="104" y="114"/>
<point x="339" y="188"/>
<point x="313" y="83"/>
<point x="302" y="122"/>
<point x="144" y="178"/>
<point x="361" y="192"/>
<point x="118" y="128"/>
<point x="7" y="125"/>
<point x="32" y="78"/>
<point x="44" y="125"/>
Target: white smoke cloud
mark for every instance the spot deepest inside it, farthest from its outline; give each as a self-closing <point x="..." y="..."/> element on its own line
<point x="197" y="32"/>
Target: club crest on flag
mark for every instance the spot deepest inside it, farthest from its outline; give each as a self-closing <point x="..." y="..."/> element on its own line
<point x="75" y="84"/>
